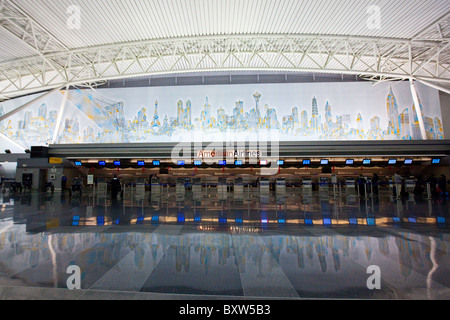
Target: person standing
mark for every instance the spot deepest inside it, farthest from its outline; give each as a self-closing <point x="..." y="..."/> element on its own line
<point x="115" y="187"/>
<point x="442" y="184"/>
<point x="361" y="186"/>
<point x="432" y="181"/>
<point x="375" y="180"/>
<point x="398" y="180"/>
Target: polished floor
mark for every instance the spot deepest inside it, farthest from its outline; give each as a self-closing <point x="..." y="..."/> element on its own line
<point x="211" y="243"/>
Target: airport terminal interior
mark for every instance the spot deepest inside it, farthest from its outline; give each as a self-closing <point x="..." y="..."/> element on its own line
<point x="236" y="149"/>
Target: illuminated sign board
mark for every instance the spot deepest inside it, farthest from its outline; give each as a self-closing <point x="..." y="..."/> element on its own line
<point x="55" y="160"/>
<point x="408" y="161"/>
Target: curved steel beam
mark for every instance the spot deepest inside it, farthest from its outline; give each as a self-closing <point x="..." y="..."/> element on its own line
<point x="363" y="56"/>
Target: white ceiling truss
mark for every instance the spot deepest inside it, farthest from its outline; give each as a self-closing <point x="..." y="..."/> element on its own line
<point x="425" y="57"/>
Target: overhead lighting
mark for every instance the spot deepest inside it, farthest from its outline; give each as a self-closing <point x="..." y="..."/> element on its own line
<point x="436" y="161"/>
<point x="392" y="161"/>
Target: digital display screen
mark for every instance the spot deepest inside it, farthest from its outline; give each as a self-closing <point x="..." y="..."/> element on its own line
<point x="306" y="162"/>
<point x="263" y="163"/>
<point x="222" y="162"/>
<point x="238" y="163"/>
<point x="408" y="161"/>
<point x="392" y="161"/>
<point x="156" y="162"/>
<point x="349" y="161"/>
<point x="141" y="163"/>
<point x="366" y="161"/>
<point x="117" y="163"/>
<point x="280" y="162"/>
<point x="370" y="221"/>
<point x="436" y="161"/>
<point x="324" y="161"/>
<point x="326" y="221"/>
<point x="181" y="162"/>
<point x="197" y="162"/>
<point x="102" y="163"/>
<point x="78" y="163"/>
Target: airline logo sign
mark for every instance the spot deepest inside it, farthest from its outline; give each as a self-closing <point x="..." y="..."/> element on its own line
<point x="229" y="154"/>
<point x="55" y="160"/>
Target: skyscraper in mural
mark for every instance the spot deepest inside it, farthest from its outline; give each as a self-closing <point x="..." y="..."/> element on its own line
<point x="315" y="120"/>
<point x="257" y="97"/>
<point x="155" y="124"/>
<point x="184" y="120"/>
<point x="42" y="111"/>
<point x="328" y="118"/>
<point x="438" y="128"/>
<point x="392" y="112"/>
<point x="403" y="122"/>
<point x="415" y="126"/>
<point x="375" y="124"/>
<point x="304" y="120"/>
<point x="206" y="118"/>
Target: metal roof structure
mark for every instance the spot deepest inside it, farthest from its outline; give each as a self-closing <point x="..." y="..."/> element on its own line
<point x="51" y="44"/>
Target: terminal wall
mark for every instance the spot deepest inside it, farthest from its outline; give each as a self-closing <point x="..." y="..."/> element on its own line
<point x="445" y="112"/>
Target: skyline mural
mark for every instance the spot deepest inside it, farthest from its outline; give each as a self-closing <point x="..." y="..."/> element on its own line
<point x="312" y="111"/>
